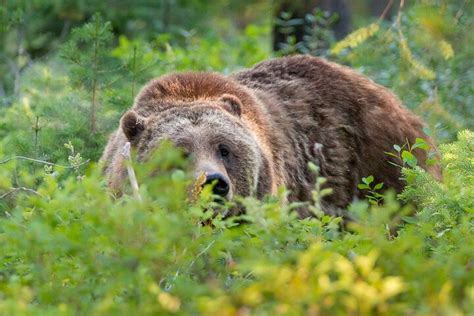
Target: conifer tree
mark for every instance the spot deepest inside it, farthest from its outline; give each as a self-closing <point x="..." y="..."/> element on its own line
<point x="87" y="52"/>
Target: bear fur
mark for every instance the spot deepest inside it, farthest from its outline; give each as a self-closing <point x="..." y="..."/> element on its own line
<point x="272" y="120"/>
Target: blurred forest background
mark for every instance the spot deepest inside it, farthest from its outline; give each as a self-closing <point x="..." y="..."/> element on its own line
<point x="69" y="68"/>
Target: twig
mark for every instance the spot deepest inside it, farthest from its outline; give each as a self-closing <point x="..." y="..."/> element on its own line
<point x="385" y="10"/>
<point x="398" y="21"/>
<point x="399" y="14"/>
<point x="42" y="161"/>
<point x="131" y="173"/>
<point x="13" y="190"/>
<point x="201" y="253"/>
<point x="460" y="12"/>
<point x="192" y="263"/>
<point x="36" y="129"/>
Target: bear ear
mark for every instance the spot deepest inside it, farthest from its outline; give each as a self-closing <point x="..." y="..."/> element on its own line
<point x="231" y="104"/>
<point x="132" y="125"/>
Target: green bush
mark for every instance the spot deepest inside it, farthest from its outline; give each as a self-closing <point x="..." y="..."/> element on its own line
<point x="69" y="248"/>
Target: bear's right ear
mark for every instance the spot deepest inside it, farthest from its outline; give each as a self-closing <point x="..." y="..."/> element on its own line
<point x="132" y="125"/>
<point x="232" y="104"/>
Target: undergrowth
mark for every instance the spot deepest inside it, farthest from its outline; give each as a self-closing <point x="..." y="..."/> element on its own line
<point x="69" y="248"/>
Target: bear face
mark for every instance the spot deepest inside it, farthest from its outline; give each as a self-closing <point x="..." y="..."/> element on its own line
<point x="212" y="134"/>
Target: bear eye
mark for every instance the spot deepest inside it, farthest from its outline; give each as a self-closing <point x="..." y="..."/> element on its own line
<point x="224" y="151"/>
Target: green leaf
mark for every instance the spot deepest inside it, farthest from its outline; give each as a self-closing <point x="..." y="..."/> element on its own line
<point x="409" y="158"/>
<point x="420" y="143"/>
<point x="313" y="167"/>
<point x="368" y="180"/>
<point x="395" y="164"/>
<point x="410" y="177"/>
<point x="325" y="192"/>
<point x="428" y="131"/>
<point x="390" y="154"/>
<point x="378" y="186"/>
<point x="397" y="148"/>
<point x="410" y="219"/>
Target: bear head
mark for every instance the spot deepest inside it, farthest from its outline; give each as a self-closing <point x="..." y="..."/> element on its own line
<point x="210" y="118"/>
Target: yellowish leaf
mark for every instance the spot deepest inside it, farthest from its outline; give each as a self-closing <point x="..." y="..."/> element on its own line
<point x="392" y="286"/>
<point x="446" y="49"/>
<point x="418" y="68"/>
<point x="169" y="302"/>
<point x="356" y="38"/>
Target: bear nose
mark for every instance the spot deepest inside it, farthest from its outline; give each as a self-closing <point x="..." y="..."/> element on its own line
<point x="221" y="187"/>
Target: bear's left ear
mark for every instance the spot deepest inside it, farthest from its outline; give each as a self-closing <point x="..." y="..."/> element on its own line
<point x="231" y="104"/>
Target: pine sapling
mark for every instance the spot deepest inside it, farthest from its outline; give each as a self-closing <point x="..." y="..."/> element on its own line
<point x="87" y="51"/>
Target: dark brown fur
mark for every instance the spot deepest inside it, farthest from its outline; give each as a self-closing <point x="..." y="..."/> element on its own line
<point x="279" y="115"/>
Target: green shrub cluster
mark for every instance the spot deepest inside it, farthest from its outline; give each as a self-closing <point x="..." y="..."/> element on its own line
<point x="70" y="248"/>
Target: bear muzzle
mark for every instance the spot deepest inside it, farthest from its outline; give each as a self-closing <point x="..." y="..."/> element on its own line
<point x="221" y="183"/>
<point x="217" y="178"/>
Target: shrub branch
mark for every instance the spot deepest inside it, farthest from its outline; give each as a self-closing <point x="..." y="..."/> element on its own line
<point x="42" y="162"/>
<point x="131" y="173"/>
<point x="13" y="190"/>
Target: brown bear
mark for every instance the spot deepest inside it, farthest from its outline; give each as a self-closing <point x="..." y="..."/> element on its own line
<point x="258" y="129"/>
